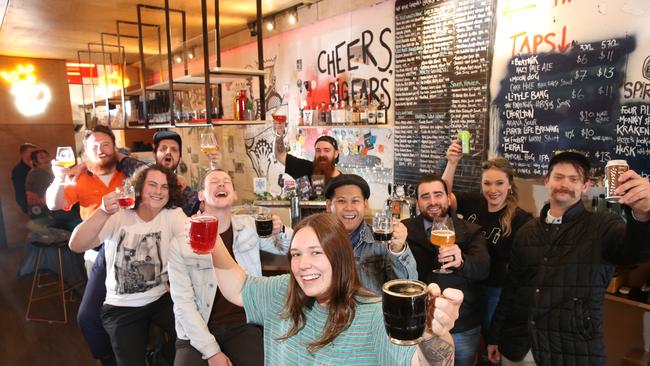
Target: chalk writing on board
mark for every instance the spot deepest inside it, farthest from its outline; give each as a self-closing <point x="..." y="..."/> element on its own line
<point x="552" y="101"/>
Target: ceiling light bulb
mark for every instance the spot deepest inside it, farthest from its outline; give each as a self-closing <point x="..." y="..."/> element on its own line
<point x="292" y="19"/>
<point x="269" y="25"/>
<point x="179" y="59"/>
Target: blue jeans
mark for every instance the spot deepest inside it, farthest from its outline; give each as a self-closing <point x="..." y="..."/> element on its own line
<point x="466" y="344"/>
<point x="88" y="316"/>
<point x="491" y="296"/>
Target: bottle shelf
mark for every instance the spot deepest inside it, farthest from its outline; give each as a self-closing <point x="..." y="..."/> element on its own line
<point x="347" y="126"/>
<point x="197" y="124"/>
<point x="627" y="301"/>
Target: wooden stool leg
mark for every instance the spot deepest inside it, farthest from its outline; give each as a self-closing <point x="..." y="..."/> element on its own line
<point x="34" y="282"/>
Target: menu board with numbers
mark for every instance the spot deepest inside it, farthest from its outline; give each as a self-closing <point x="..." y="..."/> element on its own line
<point x="550" y="102"/>
<point x="571" y="75"/>
<point x="441" y="85"/>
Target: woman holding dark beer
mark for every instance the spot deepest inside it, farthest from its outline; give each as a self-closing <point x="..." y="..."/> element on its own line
<point x="320" y="314"/>
<point x="496" y="210"/>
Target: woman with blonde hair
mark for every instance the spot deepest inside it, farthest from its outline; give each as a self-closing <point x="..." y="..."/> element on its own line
<point x="496" y="210"/>
<point x="320" y="313"/>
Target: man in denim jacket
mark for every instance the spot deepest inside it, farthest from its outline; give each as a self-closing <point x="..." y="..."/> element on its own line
<point x="347" y="198"/>
<point x="210" y="329"/>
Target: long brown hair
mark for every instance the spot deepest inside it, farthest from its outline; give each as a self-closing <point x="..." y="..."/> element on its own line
<point x="345" y="285"/>
<point x="512" y="200"/>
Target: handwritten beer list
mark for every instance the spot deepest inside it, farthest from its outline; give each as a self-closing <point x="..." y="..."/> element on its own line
<point x="551" y="102"/>
<point x="441" y="81"/>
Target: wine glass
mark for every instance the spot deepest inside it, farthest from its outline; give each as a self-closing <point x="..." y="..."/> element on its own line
<point x="209" y="146"/>
<point x="382" y="228"/>
<point x="65" y="159"/>
<point x="442" y="233"/>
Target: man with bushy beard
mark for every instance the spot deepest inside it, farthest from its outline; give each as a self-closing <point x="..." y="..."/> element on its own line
<point x="468" y="258"/>
<point x="326" y="155"/>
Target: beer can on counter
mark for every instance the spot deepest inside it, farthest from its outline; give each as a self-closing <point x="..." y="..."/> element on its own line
<point x="613" y="170"/>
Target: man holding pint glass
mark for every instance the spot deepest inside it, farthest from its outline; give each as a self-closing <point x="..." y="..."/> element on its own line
<point x="464" y="254"/>
<point x="551" y="308"/>
<point x="210" y="329"/>
<point x="378" y="260"/>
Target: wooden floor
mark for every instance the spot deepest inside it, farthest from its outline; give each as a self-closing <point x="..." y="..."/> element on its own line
<point x="25" y="342"/>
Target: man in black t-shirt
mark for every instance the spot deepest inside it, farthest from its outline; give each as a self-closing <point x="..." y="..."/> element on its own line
<point x="326" y="155"/>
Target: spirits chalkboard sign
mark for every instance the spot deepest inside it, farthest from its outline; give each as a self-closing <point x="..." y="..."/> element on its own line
<point x="441" y="85"/>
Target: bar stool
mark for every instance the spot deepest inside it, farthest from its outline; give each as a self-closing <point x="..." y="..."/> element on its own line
<point x="50" y="238"/>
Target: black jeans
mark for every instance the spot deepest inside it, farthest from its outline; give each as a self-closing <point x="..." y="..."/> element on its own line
<point x="128" y="328"/>
<point x="242" y="343"/>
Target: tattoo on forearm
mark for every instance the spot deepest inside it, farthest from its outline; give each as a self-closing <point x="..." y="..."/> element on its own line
<point x="437" y="352"/>
<point x="279" y="145"/>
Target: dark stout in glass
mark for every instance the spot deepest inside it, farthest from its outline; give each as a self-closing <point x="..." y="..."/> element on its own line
<point x="264" y="226"/>
<point x="381" y="235"/>
<point x="405" y="311"/>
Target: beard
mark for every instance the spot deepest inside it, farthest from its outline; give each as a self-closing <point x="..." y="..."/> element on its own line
<point x="443" y="212"/>
<point x="168" y="160"/>
<point x="103" y="165"/>
<point x="325" y="167"/>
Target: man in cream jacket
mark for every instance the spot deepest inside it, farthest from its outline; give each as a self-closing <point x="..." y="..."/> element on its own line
<point x="210" y="329"/>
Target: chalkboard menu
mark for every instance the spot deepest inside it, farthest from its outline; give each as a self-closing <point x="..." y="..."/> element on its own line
<point x="441" y="85"/>
<point x="552" y="102"/>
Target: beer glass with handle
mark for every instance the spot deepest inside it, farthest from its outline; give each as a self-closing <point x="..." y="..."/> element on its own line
<point x="65" y="159"/>
<point x="209" y="146"/>
<point x="442" y="233"/>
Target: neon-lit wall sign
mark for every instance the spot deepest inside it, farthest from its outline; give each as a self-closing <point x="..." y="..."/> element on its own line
<point x="32" y="97"/>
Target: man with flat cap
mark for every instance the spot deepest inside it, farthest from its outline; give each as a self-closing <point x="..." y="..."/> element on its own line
<point x="326" y="155"/>
<point x="347" y="198"/>
<point x="551" y="308"/>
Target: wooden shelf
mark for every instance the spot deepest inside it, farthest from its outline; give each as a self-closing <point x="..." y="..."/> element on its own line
<point x="627" y="301"/>
<point x="347" y="126"/>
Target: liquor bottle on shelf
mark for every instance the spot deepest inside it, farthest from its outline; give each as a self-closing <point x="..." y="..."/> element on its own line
<point x="241" y="104"/>
<point x="235" y="108"/>
<point x="363" y="111"/>
<point x="323" y="113"/>
<point x="250" y="112"/>
<point x="382" y="111"/>
<point x="372" y="111"/>
<point x="356" y="115"/>
<point x="348" y="112"/>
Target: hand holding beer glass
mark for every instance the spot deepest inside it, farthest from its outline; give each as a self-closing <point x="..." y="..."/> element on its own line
<point x="442" y="234"/>
<point x="210" y="147"/>
<point x="125" y="195"/>
<point x="203" y="233"/>
<point x="64" y="160"/>
<point x="264" y="222"/>
<point x="408" y="311"/>
<point x="382" y="228"/>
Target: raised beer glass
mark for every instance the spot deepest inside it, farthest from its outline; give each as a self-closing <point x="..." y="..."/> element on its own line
<point x="442" y="233"/>
<point x="382" y="228"/>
